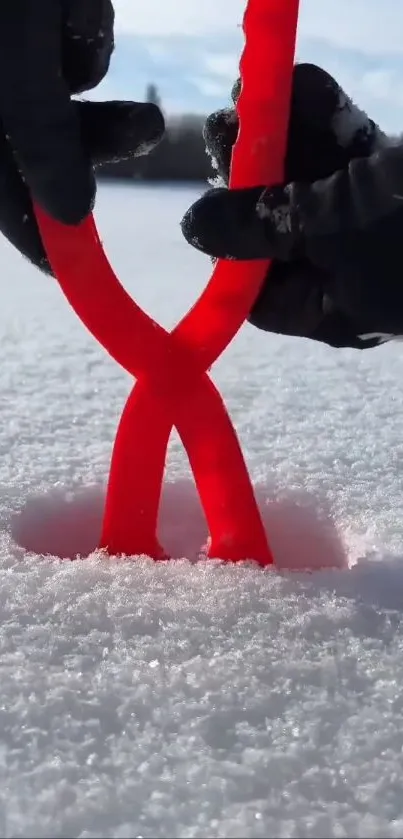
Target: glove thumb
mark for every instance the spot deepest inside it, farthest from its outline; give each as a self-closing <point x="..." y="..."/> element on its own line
<point x="114" y="131"/>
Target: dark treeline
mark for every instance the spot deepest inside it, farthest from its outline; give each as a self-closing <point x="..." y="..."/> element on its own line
<point x="180" y="156"/>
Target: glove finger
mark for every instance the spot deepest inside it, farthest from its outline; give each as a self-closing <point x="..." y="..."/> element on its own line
<point x="37" y="113"/>
<point x="119" y="130"/>
<point x="219" y="133"/>
<point x="326" y="129"/>
<point x="87" y="42"/>
<point x="224" y="224"/>
<point x="110" y="131"/>
<point x="242" y="224"/>
<point x="307" y="145"/>
<point x="17" y="219"/>
<point x="236" y="90"/>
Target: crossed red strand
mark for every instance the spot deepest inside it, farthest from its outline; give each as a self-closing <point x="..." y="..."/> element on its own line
<point x="173" y="387"/>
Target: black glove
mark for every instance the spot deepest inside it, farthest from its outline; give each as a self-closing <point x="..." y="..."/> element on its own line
<point x="49" y="143"/>
<point x="326" y="133"/>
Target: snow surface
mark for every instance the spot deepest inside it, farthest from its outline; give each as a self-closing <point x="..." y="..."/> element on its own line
<point x="196" y="699"/>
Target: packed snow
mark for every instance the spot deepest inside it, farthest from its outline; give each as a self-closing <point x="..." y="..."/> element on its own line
<point x="195" y="699"/>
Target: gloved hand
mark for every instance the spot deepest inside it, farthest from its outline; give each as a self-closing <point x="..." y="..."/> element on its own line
<point x="326" y="132"/>
<point x="49" y="143"/>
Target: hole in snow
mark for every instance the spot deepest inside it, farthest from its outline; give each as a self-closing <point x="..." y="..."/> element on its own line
<point x="66" y="524"/>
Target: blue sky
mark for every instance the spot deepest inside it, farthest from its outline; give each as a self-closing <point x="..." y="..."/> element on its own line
<point x="192" y="53"/>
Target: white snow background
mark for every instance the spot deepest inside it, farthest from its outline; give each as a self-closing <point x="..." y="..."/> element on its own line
<point x="189" y="699"/>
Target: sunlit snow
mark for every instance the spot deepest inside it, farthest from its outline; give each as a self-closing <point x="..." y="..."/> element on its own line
<point x="195" y="699"/>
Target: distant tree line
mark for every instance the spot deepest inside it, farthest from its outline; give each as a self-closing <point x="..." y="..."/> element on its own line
<point x="180" y="156"/>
